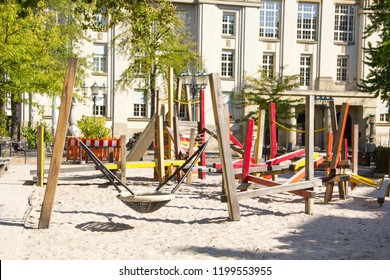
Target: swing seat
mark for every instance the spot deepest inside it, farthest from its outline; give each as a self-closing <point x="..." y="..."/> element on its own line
<point x="145" y="202"/>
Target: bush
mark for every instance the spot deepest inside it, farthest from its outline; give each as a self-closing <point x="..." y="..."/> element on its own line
<point x="382" y="159"/>
<point x="94" y="129"/>
<point x="30" y="133"/>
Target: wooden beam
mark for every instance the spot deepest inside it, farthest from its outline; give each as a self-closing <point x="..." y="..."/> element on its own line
<point x="309" y="138"/>
<point x="190" y="153"/>
<point x="59" y="142"/>
<point x="272" y="127"/>
<point x="260" y="136"/>
<point x="144" y="141"/>
<point x="248" y="149"/>
<point x="355" y="150"/>
<point x="123" y="158"/>
<point x="229" y="183"/>
<point x="262" y="191"/>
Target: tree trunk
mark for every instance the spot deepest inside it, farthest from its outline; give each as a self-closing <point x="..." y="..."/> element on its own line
<point x="15" y="122"/>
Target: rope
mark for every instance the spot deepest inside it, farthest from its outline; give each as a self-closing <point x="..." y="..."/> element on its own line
<point x="298" y="130"/>
<point x="184" y="102"/>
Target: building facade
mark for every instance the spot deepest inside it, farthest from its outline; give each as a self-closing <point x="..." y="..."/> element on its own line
<point x="321" y="40"/>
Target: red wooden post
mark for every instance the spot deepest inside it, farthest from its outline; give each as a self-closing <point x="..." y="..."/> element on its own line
<point x="329" y="150"/>
<point x="272" y="125"/>
<point x="248" y="148"/>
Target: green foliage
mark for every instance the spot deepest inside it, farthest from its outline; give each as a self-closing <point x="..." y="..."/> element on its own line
<point x="382" y="155"/>
<point x="36" y="38"/>
<point x="263" y="89"/>
<point x="30" y="133"/>
<point x="377" y="81"/>
<point x="94" y="129"/>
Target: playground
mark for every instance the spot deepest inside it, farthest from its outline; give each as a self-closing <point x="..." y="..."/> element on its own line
<point x="150" y="204"/>
<point x="89" y="223"/>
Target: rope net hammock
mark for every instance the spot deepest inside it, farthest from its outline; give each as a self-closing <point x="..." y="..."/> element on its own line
<point x="146" y="202"/>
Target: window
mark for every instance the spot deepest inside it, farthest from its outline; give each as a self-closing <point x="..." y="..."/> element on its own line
<point x="227" y="64"/>
<point x="100" y="58"/>
<point x="343" y="23"/>
<point x="307" y="21"/>
<point x="269" y="19"/>
<point x="100" y="108"/>
<point x="305" y="71"/>
<point x="268" y="64"/>
<point x="184" y="17"/>
<point x="228" y="24"/>
<point x="139" y="104"/>
<point x="342" y="69"/>
<point x="384" y="117"/>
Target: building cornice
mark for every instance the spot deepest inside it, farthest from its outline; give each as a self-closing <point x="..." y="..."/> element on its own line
<point x="241" y="3"/>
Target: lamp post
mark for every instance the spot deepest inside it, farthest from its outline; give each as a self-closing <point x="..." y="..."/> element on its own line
<point x="95" y="90"/>
<point x="323" y="101"/>
<point x="371" y="144"/>
<point x="197" y="83"/>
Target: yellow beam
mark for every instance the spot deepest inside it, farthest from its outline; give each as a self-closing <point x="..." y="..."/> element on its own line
<point x="144" y="164"/>
<point x="301" y="163"/>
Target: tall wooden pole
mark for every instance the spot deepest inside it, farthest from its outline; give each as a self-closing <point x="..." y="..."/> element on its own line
<point x="40" y="156"/>
<point x="59" y="141"/>
<point x="229" y="183"/>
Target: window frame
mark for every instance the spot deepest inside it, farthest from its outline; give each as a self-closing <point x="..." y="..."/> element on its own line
<point x="139" y="109"/>
<point x="269" y="68"/>
<point x="229" y="25"/>
<point x="266" y="11"/>
<point x="228" y="65"/>
<point x="100" y="60"/>
<point x="340" y="34"/>
<point x="305" y="81"/>
<point x="310" y="32"/>
<point x="342" y="70"/>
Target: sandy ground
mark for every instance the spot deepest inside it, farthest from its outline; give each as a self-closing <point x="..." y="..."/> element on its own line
<point x="89" y="223"/>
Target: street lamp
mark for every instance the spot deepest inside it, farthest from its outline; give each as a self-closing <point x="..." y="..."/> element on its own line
<point x="371" y="144"/>
<point x="323" y="101"/>
<point x="197" y="84"/>
<point x="95" y="90"/>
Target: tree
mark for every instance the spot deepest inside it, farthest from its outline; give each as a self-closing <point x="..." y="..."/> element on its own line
<point x="377" y="54"/>
<point x="36" y="38"/>
<point x="152" y="37"/>
<point x="264" y="88"/>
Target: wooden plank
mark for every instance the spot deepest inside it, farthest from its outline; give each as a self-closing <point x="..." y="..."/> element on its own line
<point x="333" y="116"/>
<point x="337" y="147"/>
<point x="309" y="138"/>
<point x="144" y="141"/>
<point x="160" y="149"/>
<point x="272" y="125"/>
<point x="171" y="110"/>
<point x="59" y="142"/>
<point x="229" y="183"/>
<point x="190" y="153"/>
<point x="248" y="149"/>
<point x="260" y="136"/>
<point x="355" y="151"/>
<point x="278" y="189"/>
<point x="123" y="158"/>
<point x="187" y="93"/>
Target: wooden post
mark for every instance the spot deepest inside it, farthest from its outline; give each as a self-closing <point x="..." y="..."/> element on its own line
<point x="247" y="153"/>
<point x="59" y="141"/>
<point x="272" y="127"/>
<point x="355" y="151"/>
<point x="309" y="150"/>
<point x="190" y="153"/>
<point x="260" y="135"/>
<point x="40" y="155"/>
<point x="329" y="151"/>
<point x="201" y="129"/>
<point x="188" y="103"/>
<point x="337" y="144"/>
<point x="224" y="147"/>
<point x="123" y="158"/>
<point x="160" y="148"/>
<point x="171" y="111"/>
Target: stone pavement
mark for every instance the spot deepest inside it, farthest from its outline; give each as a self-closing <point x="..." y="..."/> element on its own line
<point x="16" y="187"/>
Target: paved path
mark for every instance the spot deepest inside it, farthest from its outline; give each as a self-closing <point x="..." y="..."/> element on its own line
<point x="15" y="189"/>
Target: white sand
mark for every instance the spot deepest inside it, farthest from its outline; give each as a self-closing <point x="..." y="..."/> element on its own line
<point x="89" y="222"/>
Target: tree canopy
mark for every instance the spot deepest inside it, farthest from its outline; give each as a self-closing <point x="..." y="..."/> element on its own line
<point x="377" y="53"/>
<point x="36" y="38"/>
<point x="264" y="88"/>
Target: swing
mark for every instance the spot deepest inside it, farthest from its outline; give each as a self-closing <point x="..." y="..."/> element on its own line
<point x="145" y="202"/>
